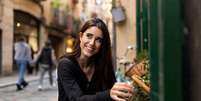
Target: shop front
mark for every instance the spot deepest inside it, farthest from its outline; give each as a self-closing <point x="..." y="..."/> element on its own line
<point x="27" y="25"/>
<point x="57" y="40"/>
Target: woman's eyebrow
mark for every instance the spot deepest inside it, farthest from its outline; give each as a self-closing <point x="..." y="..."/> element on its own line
<point x="100" y="38"/>
<point x="93" y="34"/>
<point x="88" y="33"/>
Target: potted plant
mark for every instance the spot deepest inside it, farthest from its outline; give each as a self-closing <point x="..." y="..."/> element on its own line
<point x="140" y="74"/>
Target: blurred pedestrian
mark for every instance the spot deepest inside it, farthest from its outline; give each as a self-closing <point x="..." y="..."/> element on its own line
<point x="46" y="61"/>
<point x="22" y="58"/>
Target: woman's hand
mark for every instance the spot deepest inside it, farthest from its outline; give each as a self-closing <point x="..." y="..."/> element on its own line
<point x="121" y="91"/>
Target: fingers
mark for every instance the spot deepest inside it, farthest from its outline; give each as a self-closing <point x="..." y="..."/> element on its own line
<point x="121" y="91"/>
<point x="122" y="86"/>
<point x="116" y="98"/>
<point x="121" y="94"/>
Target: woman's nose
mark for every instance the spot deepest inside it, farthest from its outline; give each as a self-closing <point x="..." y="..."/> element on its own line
<point x="92" y="42"/>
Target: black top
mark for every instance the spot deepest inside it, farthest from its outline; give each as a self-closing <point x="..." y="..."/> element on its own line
<point x="46" y="56"/>
<point x="73" y="85"/>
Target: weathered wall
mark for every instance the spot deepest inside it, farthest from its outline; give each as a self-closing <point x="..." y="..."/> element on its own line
<point x="126" y="32"/>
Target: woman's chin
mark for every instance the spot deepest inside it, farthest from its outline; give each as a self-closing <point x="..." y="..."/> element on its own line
<point x="88" y="55"/>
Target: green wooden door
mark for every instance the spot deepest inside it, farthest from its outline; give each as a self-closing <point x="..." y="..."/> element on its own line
<point x="165" y="50"/>
<point x="142" y="25"/>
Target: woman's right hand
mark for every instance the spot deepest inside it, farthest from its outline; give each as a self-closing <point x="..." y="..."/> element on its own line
<point x="121" y="91"/>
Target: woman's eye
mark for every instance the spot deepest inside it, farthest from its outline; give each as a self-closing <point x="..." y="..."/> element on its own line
<point x="99" y="40"/>
<point x="89" y="35"/>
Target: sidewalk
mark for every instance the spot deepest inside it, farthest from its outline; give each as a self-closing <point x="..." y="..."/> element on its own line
<point x="6" y="81"/>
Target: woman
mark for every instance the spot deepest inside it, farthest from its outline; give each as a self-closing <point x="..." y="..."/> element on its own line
<point x="87" y="74"/>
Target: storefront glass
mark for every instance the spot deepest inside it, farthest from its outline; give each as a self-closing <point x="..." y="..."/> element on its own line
<point x="28" y="26"/>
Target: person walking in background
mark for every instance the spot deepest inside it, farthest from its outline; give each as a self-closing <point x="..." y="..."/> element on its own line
<point x="22" y="58"/>
<point x="46" y="61"/>
<point x="87" y="74"/>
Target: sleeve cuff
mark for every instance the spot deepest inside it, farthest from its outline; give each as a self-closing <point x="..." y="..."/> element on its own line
<point x="104" y="96"/>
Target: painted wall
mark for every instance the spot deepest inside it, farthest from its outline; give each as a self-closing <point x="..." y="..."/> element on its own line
<point x="126" y="32"/>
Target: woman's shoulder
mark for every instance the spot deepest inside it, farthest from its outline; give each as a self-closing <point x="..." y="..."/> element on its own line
<point x="64" y="64"/>
<point x="69" y="60"/>
<point x="65" y="59"/>
<point x="67" y="63"/>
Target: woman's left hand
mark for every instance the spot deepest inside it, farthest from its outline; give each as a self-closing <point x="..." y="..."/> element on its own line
<point x="121" y="91"/>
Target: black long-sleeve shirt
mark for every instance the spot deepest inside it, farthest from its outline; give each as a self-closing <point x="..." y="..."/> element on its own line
<point x="74" y="86"/>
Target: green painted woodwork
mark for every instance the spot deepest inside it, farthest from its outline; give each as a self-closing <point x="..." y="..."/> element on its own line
<point x="138" y="29"/>
<point x="154" y="43"/>
<point x="142" y="25"/>
<point x="166" y="41"/>
<point x="172" y="50"/>
<point x="145" y="24"/>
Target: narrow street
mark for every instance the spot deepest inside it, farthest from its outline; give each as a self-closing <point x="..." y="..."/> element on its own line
<point x="30" y="93"/>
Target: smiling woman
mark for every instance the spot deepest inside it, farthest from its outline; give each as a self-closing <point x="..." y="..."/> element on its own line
<point x="87" y="74"/>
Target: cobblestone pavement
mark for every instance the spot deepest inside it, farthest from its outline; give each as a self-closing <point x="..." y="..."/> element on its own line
<point x="30" y="93"/>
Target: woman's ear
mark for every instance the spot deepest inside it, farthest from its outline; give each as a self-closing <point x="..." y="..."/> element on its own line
<point x="80" y="35"/>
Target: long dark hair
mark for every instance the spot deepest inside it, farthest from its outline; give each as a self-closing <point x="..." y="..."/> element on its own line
<point x="104" y="70"/>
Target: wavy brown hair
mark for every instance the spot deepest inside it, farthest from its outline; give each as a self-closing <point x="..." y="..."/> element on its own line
<point x="104" y="70"/>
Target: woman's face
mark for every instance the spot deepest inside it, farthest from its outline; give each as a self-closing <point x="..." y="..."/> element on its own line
<point x="90" y="41"/>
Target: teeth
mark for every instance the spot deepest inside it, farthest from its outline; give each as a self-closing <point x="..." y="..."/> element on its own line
<point x="89" y="48"/>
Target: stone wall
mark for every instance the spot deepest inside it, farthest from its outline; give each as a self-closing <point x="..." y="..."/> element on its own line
<point x="28" y="6"/>
<point x="7" y="36"/>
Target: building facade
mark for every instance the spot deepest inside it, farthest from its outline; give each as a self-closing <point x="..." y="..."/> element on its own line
<point x="40" y="20"/>
<point x="37" y="20"/>
<point x="18" y="17"/>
